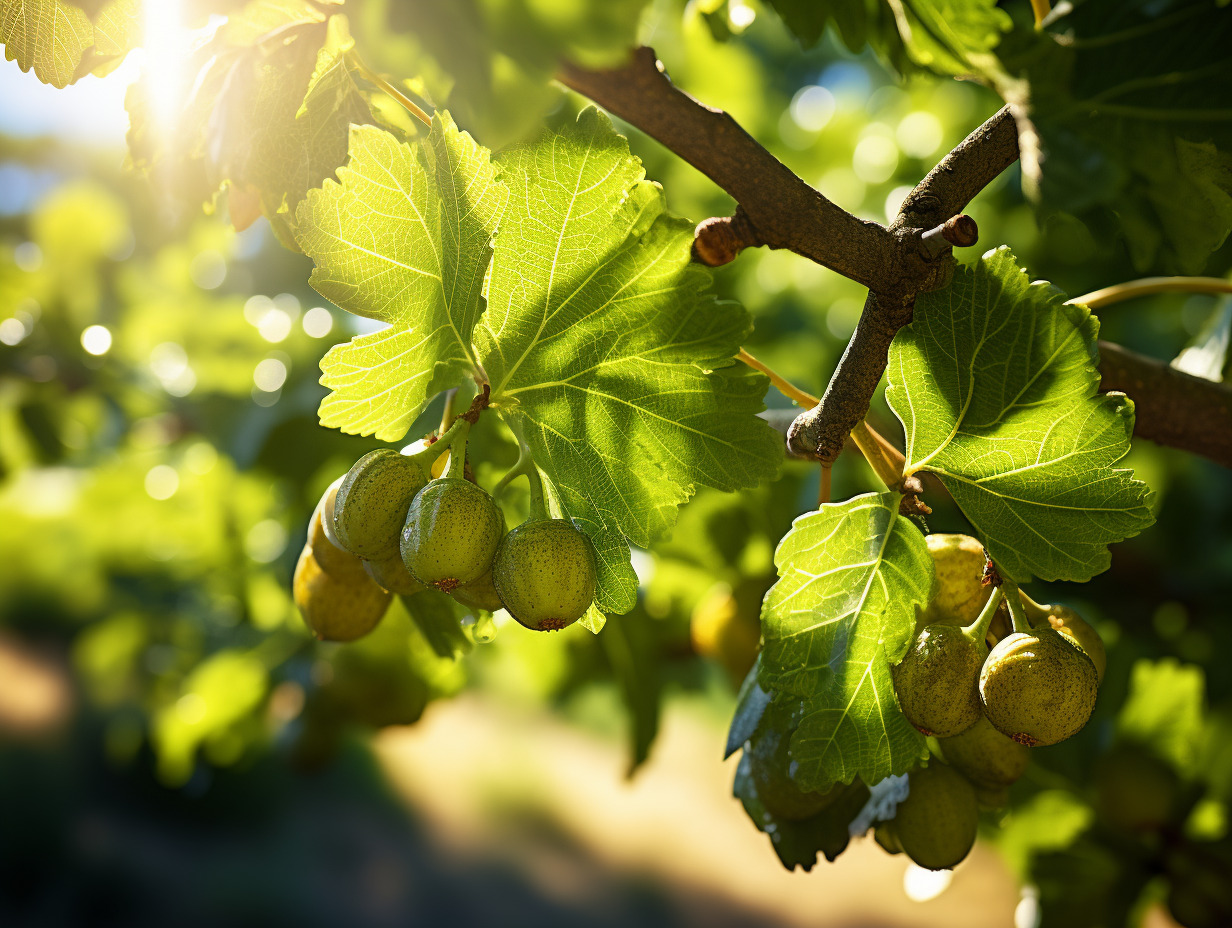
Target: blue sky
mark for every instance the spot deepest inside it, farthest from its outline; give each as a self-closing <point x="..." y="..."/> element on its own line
<point x="90" y="111"/>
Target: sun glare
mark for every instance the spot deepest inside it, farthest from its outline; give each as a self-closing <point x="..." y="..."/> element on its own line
<point x="166" y="43"/>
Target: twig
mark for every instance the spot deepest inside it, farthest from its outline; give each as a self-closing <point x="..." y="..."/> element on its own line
<point x="1172" y="408"/>
<point x="956" y="232"/>
<point x="782" y="210"/>
<point x="1148" y="285"/>
<point x="1041" y="9"/>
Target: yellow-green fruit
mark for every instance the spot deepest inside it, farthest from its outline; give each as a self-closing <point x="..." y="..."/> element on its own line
<point x="372" y="502"/>
<point x="723" y="631"/>
<point x="336" y="610"/>
<point x="936" y="823"/>
<point x="985" y="756"/>
<point x="391" y="574"/>
<point x="1074" y="627"/>
<point x="343" y="565"/>
<point x="451" y="533"/>
<point x="885" y="835"/>
<point x="1038" y="688"/>
<point x="546" y="573"/>
<point x="771" y="766"/>
<point x="936" y="682"/>
<point x="990" y="798"/>
<point x="959" y="563"/>
<point x="326" y="505"/>
<point x="479" y="594"/>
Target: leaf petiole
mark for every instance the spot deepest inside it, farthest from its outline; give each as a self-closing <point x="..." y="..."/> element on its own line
<point x="887" y="466"/>
<point x="1149" y="285"/>
<point x="372" y="77"/>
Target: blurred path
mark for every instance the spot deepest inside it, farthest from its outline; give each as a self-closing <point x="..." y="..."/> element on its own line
<point x="482" y="773"/>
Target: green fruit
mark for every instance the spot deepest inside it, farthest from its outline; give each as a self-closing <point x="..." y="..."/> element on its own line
<point x="959" y="564"/>
<point x="1135" y="791"/>
<point x="451" y="533"/>
<point x="343" y="565"/>
<point x="334" y="609"/>
<point x="885" y="835"/>
<point x="936" y="823"/>
<point x="479" y="594"/>
<point x="726" y="626"/>
<point x="1074" y="627"/>
<point x="373" y="500"/>
<point x="936" y="682"/>
<point x="985" y="756"/>
<point x="1038" y="688"/>
<point x="990" y="798"/>
<point x="771" y="765"/>
<point x="391" y="574"/>
<point x="546" y="572"/>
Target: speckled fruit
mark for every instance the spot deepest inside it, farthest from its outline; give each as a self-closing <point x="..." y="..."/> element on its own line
<point x="546" y="573"/>
<point x="985" y="756"/>
<point x="451" y="533"/>
<point x="1074" y="627"/>
<point x="771" y="767"/>
<point x="959" y="563"/>
<point x="336" y="610"/>
<point x="1038" y="688"/>
<point x="340" y="564"/>
<point x="479" y="594"/>
<point x="391" y="574"/>
<point x="936" y="823"/>
<point x="937" y="681"/>
<point x="373" y="500"/>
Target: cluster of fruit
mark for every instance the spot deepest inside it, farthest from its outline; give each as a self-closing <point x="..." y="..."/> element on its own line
<point x="402" y="523"/>
<point x="983" y="691"/>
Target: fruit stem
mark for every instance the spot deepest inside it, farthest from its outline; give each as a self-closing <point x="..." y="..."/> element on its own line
<point x="978" y="630"/>
<point x="1034" y="611"/>
<point x="1013" y="599"/>
<point x="523" y="463"/>
<point x="458" y="430"/>
<point x="538" y="506"/>
<point x="457" y="449"/>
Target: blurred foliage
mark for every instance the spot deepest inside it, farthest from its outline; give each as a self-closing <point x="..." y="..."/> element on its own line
<point x="160" y="456"/>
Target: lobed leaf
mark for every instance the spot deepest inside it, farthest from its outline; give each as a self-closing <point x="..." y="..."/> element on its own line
<point x="606" y="352"/>
<point x="995" y="383"/>
<point x="843" y="610"/>
<point x="48" y="36"/>
<point x="403" y="237"/>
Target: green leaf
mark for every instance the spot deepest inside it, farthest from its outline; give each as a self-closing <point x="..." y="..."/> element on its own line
<point x="1127" y="104"/>
<point x="1050" y="821"/>
<point x="1166" y="710"/>
<point x="605" y="350"/>
<point x="438" y="618"/>
<point x="49" y="36"/>
<point x="634" y="653"/>
<point x="751" y="703"/>
<point x="995" y="382"/>
<point x="402" y="237"/>
<point x="843" y="610"/>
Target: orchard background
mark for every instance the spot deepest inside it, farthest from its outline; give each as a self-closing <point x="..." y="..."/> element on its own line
<point x="174" y="744"/>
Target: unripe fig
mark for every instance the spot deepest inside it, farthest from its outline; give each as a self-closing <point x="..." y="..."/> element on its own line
<point x="991" y="798"/>
<point x="479" y="594"/>
<point x="985" y="756"/>
<point x="959" y="564"/>
<point x="885" y="835"/>
<point x="771" y="767"/>
<point x="343" y="565"/>
<point x="373" y="500"/>
<point x="726" y="626"/>
<point x="334" y="609"/>
<point x="1038" y="688"/>
<point x="326" y="505"/>
<point x="936" y="682"/>
<point x="451" y="533"/>
<point x="391" y="574"/>
<point x="1074" y="627"/>
<point x="936" y="823"/>
<point x="546" y="573"/>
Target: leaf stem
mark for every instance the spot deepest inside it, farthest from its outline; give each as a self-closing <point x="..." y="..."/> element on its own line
<point x="1041" y="9"/>
<point x="978" y="630"/>
<point x="410" y="105"/>
<point x="788" y="389"/>
<point x="1148" y="285"/>
<point x="888" y="467"/>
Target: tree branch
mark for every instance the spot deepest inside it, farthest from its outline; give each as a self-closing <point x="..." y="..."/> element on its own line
<point x="1172" y="408"/>
<point x="780" y="209"/>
